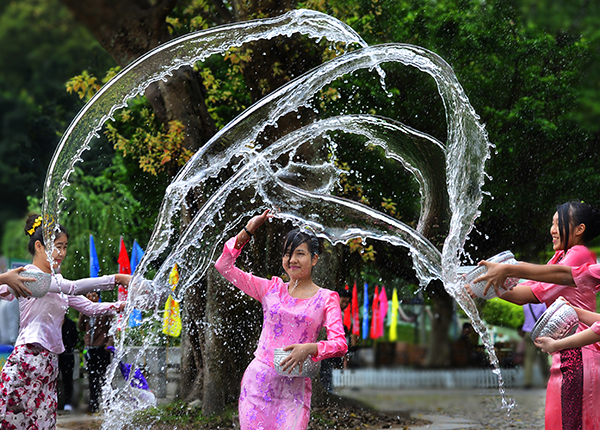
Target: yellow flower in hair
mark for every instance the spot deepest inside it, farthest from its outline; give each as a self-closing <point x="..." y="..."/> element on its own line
<point x="36" y="224"/>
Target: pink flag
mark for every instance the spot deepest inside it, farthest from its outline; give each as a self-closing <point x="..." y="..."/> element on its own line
<point x="383" y="309"/>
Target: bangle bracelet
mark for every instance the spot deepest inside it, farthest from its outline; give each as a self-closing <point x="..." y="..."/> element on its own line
<point x="247" y="232"/>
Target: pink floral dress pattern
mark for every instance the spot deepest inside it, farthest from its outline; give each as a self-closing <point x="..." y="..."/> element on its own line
<point x="268" y="400"/>
<point x="28" y="389"/>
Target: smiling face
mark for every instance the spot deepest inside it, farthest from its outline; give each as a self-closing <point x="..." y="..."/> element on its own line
<point x="575" y="234"/>
<point x="59" y="253"/>
<point x="299" y="264"/>
<point x="557" y="243"/>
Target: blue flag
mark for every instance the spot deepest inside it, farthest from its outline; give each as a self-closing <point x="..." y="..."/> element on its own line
<point x="94" y="264"/>
<point x="136" y="256"/>
<point x="365" y="324"/>
<point x="135" y="319"/>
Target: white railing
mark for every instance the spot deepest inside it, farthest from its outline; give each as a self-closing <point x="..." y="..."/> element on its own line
<point x="413" y="378"/>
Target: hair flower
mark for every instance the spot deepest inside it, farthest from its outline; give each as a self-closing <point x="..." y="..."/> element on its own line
<point x="36" y="224"/>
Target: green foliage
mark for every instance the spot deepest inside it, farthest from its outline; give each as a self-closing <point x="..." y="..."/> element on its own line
<point x="502" y="313"/>
<point x="41" y="46"/>
<point x="109" y="206"/>
<point x="532" y="75"/>
<point x="181" y="414"/>
<point x="150" y="143"/>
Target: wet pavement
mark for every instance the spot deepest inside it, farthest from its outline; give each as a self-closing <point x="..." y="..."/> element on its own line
<point x="459" y="409"/>
<point x="446" y="409"/>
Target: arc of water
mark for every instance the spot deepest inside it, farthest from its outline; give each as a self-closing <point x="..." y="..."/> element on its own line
<point x="419" y="153"/>
<point x="155" y="66"/>
<point x="241" y="134"/>
<point x="335" y="218"/>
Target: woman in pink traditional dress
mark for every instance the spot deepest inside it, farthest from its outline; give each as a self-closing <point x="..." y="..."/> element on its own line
<point x="294" y="314"/>
<point x="573" y="390"/>
<point x="28" y="397"/>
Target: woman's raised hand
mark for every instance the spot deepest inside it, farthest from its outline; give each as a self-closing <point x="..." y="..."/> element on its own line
<point x="258" y="220"/>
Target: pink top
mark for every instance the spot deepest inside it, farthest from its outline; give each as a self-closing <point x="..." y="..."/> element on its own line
<point x="584" y="296"/>
<point x="42" y="318"/>
<point x="588" y="275"/>
<point x="287" y="320"/>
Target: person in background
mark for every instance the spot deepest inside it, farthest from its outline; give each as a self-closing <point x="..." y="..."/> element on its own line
<point x="532" y="311"/>
<point x="66" y="360"/>
<point x="9" y="322"/>
<point x="327" y="365"/>
<point x="96" y="340"/>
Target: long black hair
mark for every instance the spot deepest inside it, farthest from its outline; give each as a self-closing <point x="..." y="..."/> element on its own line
<point x="575" y="213"/>
<point x="33" y="229"/>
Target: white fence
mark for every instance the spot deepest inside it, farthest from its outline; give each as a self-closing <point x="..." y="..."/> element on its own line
<point x="412" y="378"/>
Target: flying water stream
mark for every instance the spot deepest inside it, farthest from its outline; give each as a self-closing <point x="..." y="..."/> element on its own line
<point x="240" y="172"/>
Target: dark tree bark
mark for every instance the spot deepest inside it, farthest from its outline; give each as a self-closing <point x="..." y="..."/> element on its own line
<point x="129" y="29"/>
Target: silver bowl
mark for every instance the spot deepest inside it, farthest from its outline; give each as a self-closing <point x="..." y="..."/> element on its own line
<point x="39" y="287"/>
<point x="475" y="272"/>
<point x="310" y="368"/>
<point x="558" y="321"/>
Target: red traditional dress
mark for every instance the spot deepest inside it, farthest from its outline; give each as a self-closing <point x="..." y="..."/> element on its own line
<point x="573" y="391"/>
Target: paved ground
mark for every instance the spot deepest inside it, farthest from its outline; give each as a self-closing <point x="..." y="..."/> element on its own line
<point x="460" y="409"/>
<point x="446" y="409"/>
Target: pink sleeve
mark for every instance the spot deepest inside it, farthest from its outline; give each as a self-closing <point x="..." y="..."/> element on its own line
<point x="587" y="275"/>
<point x="89" y="308"/>
<point x="546" y="292"/>
<point x="82" y="286"/>
<point x="5" y="294"/>
<point x="596" y="327"/>
<point x="252" y="285"/>
<point x="335" y="345"/>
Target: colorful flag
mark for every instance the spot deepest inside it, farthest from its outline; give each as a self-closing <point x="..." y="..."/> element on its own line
<point x="355" y="325"/>
<point x="135" y="319"/>
<point x="94" y="263"/>
<point x="171" y="317"/>
<point x="365" y="325"/>
<point x="383" y="309"/>
<point x="394" y="317"/>
<point x="375" y="319"/>
<point x="348" y="314"/>
<point x="136" y="256"/>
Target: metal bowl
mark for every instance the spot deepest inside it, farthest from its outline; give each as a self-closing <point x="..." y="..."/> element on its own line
<point x="310" y="368"/>
<point x="505" y="257"/>
<point x="558" y="321"/>
<point x="39" y="287"/>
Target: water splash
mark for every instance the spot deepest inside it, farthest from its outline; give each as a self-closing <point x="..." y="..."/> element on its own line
<point x="236" y="168"/>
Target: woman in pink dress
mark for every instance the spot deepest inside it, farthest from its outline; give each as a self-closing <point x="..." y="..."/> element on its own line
<point x="573" y="390"/>
<point x="294" y="314"/>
